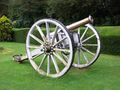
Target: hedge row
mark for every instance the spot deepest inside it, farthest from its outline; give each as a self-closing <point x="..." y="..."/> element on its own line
<point x="110" y="38"/>
<point x="20" y="35"/>
<point x="110" y="45"/>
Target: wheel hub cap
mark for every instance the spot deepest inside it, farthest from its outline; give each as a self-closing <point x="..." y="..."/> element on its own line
<point x="48" y="48"/>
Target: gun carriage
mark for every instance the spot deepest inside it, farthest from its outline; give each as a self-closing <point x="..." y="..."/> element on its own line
<point x="53" y="48"/>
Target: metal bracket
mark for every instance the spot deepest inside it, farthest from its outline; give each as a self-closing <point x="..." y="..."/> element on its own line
<point x="19" y="58"/>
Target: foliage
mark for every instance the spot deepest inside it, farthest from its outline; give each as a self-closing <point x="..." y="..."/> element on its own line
<point x="26" y="12"/>
<point x="5" y="29"/>
<point x="3" y="7"/>
<point x="74" y="10"/>
<point x="63" y="10"/>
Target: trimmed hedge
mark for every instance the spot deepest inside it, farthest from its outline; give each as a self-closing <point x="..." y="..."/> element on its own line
<point x="20" y="34"/>
<point x="111" y="45"/>
<point x="110" y="38"/>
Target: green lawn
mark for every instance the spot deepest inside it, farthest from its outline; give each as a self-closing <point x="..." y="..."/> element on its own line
<point x="103" y="75"/>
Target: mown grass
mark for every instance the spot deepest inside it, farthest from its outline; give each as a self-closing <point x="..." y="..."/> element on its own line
<point x="103" y="75"/>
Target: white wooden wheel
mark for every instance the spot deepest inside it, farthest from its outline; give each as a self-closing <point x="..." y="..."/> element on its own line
<point x="88" y="48"/>
<point x="44" y="48"/>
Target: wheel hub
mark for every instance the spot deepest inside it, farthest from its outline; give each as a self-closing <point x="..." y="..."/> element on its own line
<point x="80" y="45"/>
<point x="48" y="48"/>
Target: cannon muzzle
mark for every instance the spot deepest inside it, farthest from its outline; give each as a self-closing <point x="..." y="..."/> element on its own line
<point x="80" y="23"/>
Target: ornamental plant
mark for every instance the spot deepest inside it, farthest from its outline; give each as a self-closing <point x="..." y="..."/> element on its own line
<point x="6" y="28"/>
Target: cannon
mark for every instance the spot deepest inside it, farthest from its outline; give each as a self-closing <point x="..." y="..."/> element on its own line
<point x="53" y="48"/>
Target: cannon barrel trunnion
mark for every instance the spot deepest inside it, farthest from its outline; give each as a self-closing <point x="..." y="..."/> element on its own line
<point x="53" y="48"/>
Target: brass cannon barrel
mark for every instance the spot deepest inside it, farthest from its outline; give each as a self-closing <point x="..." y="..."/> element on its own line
<point x="80" y="23"/>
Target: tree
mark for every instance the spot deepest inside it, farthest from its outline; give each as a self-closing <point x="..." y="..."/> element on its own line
<point x="3" y="7"/>
<point x="26" y="12"/>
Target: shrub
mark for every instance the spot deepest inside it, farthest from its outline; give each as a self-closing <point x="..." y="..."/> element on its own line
<point x="5" y="29"/>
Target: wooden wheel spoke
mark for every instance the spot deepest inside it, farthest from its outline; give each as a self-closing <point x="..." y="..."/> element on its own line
<point x="85" y="58"/>
<point x="84" y="33"/>
<point x="60" y="58"/>
<point x="55" y="64"/>
<point x="92" y="45"/>
<point x="42" y="61"/>
<point x="41" y="33"/>
<point x="62" y="50"/>
<point x="48" y="65"/>
<point x="47" y="30"/>
<point x="33" y="46"/>
<point x="35" y="56"/>
<point x="36" y="52"/>
<point x="55" y="34"/>
<point x="65" y="56"/>
<point x="37" y="39"/>
<point x="60" y="41"/>
<point x="88" y="38"/>
<point x="88" y="51"/>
